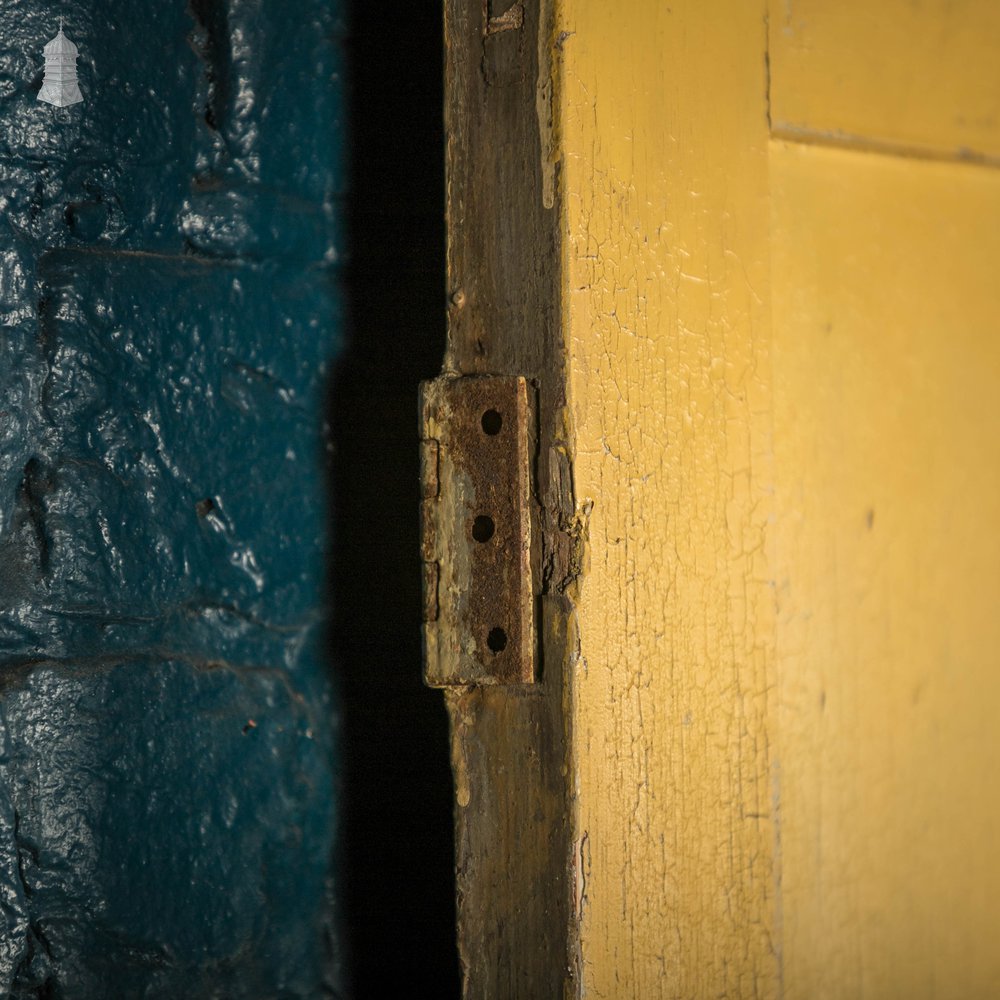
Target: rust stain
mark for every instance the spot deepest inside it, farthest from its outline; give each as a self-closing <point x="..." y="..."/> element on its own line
<point x="477" y="531"/>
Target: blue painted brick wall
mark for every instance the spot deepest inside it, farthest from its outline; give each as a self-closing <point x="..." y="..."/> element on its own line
<point x="170" y="307"/>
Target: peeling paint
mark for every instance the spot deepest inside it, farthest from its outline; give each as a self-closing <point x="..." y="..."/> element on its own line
<point x="545" y="88"/>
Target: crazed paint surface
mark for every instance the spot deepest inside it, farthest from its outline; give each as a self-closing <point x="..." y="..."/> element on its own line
<point x="666" y="294"/>
<point x="168" y="258"/>
<point x="783" y="375"/>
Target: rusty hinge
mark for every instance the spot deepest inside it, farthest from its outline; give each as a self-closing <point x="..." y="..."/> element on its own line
<point x="476" y="447"/>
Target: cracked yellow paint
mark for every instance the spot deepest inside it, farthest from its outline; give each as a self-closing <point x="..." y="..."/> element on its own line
<point x="664" y="153"/>
<point x="784" y="363"/>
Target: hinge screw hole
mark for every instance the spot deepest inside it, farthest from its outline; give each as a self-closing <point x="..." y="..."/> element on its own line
<point x="497" y="640"/>
<point x="483" y="528"/>
<point x="492" y="422"/>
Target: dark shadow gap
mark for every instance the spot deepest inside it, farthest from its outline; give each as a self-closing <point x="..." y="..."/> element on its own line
<point x="397" y="846"/>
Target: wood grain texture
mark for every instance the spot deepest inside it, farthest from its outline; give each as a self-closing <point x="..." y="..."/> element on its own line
<point x="664" y="136"/>
<point x="509" y="746"/>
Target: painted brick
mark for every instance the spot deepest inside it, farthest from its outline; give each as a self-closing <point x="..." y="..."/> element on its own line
<point x="169" y="298"/>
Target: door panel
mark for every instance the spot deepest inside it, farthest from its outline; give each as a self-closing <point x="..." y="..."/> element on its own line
<point x="885" y="557"/>
<point x="911" y="76"/>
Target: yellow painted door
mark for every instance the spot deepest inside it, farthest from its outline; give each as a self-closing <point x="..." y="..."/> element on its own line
<point x="782" y="303"/>
<point x="763" y="756"/>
